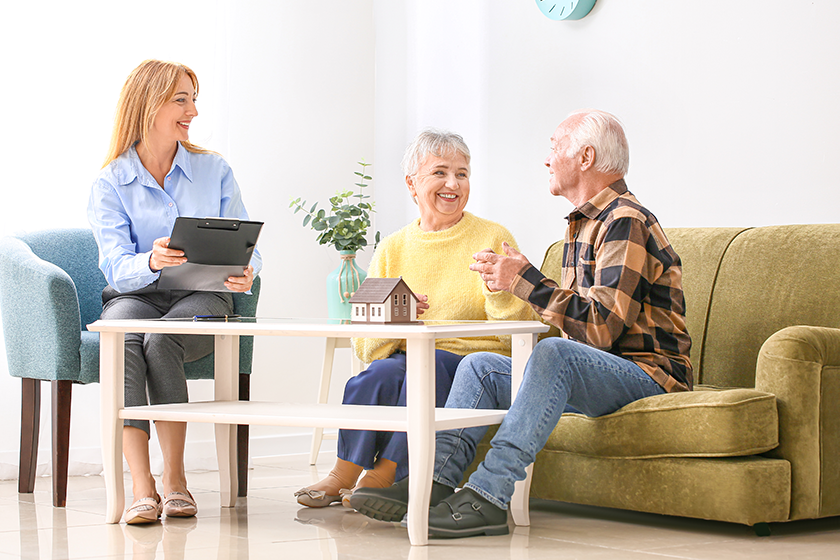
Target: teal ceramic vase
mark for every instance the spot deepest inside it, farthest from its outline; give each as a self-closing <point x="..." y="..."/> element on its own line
<point x="342" y="283"/>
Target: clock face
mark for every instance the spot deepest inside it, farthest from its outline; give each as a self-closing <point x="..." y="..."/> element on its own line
<point x="565" y="9"/>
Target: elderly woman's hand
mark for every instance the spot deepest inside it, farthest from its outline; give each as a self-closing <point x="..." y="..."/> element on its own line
<point x="422" y="303"/>
<point x="498" y="271"/>
<point x="162" y="256"/>
<point x="241" y="283"/>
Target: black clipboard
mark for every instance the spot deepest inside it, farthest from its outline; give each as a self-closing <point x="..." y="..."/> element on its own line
<point x="216" y="248"/>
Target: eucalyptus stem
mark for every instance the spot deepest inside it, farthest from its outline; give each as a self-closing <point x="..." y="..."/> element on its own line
<point x="346" y="225"/>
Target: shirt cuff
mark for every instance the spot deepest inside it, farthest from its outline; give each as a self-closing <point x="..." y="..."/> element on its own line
<point x="524" y="281"/>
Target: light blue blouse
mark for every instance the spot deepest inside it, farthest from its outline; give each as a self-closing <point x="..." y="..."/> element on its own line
<point x="128" y="210"/>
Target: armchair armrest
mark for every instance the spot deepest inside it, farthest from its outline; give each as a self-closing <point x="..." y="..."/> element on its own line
<point x="801" y="366"/>
<point x="41" y="319"/>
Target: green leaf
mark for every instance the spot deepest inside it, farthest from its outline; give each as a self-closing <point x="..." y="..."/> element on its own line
<point x="346" y="221"/>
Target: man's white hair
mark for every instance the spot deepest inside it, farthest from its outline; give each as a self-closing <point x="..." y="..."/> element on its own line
<point x="604" y="133"/>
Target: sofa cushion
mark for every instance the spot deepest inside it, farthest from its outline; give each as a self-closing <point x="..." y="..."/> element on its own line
<point x="707" y="422"/>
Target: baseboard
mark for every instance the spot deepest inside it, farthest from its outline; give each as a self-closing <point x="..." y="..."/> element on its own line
<point x="198" y="455"/>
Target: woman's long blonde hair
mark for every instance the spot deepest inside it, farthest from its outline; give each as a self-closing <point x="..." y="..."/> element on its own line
<point x="147" y="88"/>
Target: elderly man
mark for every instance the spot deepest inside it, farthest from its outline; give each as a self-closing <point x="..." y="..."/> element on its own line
<point x="620" y="308"/>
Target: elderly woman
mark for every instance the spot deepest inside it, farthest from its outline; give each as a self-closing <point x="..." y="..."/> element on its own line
<point x="152" y="175"/>
<point x="433" y="255"/>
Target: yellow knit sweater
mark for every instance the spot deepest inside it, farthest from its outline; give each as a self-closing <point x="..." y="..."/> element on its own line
<point x="436" y="263"/>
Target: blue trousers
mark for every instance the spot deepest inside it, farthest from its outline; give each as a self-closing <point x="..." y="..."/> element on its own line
<point x="383" y="383"/>
<point x="559" y="375"/>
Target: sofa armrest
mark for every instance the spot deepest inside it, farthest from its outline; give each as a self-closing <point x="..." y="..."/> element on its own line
<point x="41" y="319"/>
<point x="801" y="366"/>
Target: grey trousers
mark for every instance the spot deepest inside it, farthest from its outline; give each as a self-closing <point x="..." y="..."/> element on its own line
<point x="155" y="362"/>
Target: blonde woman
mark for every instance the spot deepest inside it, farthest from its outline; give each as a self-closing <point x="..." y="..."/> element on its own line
<point x="152" y="175"/>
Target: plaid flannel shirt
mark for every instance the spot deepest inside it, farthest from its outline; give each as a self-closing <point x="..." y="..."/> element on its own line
<point x="621" y="287"/>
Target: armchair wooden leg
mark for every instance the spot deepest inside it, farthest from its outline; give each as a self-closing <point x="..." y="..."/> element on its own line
<point x="242" y="433"/>
<point x="61" y="394"/>
<point x="30" y="423"/>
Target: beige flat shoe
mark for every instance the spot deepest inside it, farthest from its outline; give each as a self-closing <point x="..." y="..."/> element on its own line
<point x="315" y="498"/>
<point x="178" y="504"/>
<point x="144" y="510"/>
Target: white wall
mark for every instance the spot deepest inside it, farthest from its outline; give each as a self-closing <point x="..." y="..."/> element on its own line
<point x="729" y="109"/>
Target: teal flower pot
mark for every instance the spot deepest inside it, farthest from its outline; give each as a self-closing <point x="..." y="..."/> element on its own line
<point x="342" y="283"/>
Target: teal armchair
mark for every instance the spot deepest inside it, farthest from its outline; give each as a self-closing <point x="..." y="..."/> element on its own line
<point x="50" y="290"/>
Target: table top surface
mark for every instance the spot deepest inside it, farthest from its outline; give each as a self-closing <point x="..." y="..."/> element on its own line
<point x="340" y="328"/>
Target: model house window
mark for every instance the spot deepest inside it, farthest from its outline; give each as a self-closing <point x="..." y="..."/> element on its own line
<point x="363" y="311"/>
<point x="405" y="301"/>
<point x="396" y="299"/>
<point x="357" y="312"/>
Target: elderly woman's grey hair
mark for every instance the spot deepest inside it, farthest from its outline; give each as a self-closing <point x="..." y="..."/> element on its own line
<point x="438" y="143"/>
<point x="604" y="133"/>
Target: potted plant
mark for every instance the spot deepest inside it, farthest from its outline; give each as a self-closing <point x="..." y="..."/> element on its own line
<point x="345" y="227"/>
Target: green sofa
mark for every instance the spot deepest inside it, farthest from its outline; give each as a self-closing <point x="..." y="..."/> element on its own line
<point x="758" y="441"/>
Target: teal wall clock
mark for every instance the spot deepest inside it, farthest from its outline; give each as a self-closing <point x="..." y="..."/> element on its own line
<point x="565" y="9"/>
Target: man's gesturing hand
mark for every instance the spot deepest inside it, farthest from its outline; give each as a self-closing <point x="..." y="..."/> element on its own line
<point x="498" y="271"/>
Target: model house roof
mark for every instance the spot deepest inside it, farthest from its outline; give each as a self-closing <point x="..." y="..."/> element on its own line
<point x="377" y="290"/>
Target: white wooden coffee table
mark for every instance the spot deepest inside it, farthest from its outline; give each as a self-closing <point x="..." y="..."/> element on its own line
<point x="419" y="418"/>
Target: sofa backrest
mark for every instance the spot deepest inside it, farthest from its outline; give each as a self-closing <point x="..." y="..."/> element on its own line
<point x="742" y="285"/>
<point x="769" y="278"/>
<point x="701" y="251"/>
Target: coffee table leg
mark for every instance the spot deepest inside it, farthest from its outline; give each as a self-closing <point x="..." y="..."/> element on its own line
<point x="420" y="400"/>
<point x="227" y="389"/>
<point x="521" y="347"/>
<point x="112" y="400"/>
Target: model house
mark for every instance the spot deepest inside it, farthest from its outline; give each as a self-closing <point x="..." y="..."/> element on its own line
<point x="383" y="300"/>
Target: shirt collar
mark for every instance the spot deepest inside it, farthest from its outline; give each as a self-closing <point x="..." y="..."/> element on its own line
<point x="182" y="160"/>
<point x="132" y="167"/>
<point x="593" y="207"/>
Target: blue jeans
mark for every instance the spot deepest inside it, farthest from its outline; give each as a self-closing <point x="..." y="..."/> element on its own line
<point x="561" y="375"/>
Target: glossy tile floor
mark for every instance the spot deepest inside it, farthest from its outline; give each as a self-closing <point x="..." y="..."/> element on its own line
<point x="270" y="524"/>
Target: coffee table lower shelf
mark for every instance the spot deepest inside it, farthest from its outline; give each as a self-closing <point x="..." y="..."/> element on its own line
<point x="356" y="417"/>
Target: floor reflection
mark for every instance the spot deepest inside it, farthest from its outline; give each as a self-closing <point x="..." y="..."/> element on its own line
<point x="169" y="537"/>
